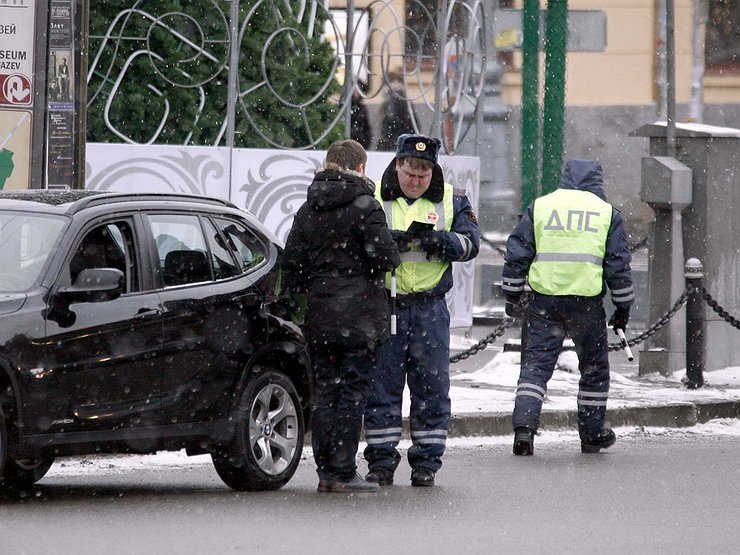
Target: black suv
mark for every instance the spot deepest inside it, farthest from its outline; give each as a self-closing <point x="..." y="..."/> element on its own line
<point x="143" y="322"/>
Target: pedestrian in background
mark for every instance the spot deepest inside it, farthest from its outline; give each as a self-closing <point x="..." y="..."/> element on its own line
<point x="569" y="245"/>
<point x="361" y="130"/>
<point x="433" y="226"/>
<point x="396" y="116"/>
<point x="337" y="253"/>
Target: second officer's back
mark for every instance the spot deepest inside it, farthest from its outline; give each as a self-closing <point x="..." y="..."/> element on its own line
<point x="570" y="245"/>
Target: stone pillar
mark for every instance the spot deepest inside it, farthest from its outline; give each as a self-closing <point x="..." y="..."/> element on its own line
<point x="666" y="188"/>
<point x="710" y="227"/>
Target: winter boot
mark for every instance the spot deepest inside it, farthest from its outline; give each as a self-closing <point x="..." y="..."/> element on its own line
<point x="605" y="439"/>
<point x="355" y="485"/>
<point x="523" y="441"/>
<point x="422" y="477"/>
<point x="380" y="476"/>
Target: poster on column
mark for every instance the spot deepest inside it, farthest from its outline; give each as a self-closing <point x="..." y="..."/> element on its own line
<point x="15" y="149"/>
<point x="61" y="97"/>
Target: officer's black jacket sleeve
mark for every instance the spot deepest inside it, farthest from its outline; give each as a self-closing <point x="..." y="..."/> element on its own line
<point x="520" y="252"/>
<point x="462" y="242"/>
<point x="617" y="258"/>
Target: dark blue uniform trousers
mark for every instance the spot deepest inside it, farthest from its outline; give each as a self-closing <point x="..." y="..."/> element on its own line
<point x="342" y="385"/>
<point x="549" y="319"/>
<point x="419" y="353"/>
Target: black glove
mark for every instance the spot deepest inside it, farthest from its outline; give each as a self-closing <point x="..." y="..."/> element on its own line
<point x="402" y="239"/>
<point x="620" y="318"/>
<point x="515" y="306"/>
<point x="432" y="242"/>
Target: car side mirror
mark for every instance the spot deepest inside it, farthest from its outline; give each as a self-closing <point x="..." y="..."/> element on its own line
<point x="95" y="285"/>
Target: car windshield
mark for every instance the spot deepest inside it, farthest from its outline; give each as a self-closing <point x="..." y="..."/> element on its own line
<point x="26" y="240"/>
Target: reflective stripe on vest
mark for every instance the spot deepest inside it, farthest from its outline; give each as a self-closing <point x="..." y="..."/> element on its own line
<point x="570" y="232"/>
<point x="416" y="274"/>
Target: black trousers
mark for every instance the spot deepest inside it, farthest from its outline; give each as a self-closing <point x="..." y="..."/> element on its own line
<point x="549" y="319"/>
<point x="342" y="385"/>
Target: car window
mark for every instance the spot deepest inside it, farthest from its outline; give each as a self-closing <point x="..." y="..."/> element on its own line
<point x="181" y="248"/>
<point x="26" y="241"/>
<point x="224" y="264"/>
<point x="249" y="249"/>
<point x="109" y="245"/>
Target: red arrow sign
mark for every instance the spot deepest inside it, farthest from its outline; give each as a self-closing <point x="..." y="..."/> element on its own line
<point x="15" y="89"/>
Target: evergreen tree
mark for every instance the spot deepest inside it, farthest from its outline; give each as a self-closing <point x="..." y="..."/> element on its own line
<point x="183" y="87"/>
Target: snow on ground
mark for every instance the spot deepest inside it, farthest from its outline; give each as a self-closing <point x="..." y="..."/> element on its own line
<point x="492" y="388"/>
<point x="122" y="464"/>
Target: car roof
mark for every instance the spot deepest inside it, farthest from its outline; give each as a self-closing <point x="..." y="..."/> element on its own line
<point x="38" y="199"/>
<point x="73" y="201"/>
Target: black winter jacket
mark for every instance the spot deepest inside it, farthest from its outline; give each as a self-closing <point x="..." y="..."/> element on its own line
<point x="338" y="252"/>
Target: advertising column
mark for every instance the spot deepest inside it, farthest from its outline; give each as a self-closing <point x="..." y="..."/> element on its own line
<point x="60" y="133"/>
<point x="17" y="32"/>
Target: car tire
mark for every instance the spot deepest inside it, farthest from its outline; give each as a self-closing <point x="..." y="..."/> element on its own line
<point x="21" y="473"/>
<point x="268" y="441"/>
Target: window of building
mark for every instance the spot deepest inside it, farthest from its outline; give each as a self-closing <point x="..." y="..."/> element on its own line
<point x="722" y="46"/>
<point x="421" y="34"/>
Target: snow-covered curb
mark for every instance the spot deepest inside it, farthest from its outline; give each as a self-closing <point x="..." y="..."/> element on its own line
<point x="120" y="464"/>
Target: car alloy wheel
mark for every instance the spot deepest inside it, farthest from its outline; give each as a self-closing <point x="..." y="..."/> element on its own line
<point x="267" y="445"/>
<point x="273" y="422"/>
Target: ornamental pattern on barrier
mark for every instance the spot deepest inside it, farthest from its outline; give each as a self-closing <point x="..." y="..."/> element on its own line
<point x="273" y="196"/>
<point x="175" y="170"/>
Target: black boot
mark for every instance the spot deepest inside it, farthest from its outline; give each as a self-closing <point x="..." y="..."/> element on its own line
<point x="523" y="441"/>
<point x="354" y="485"/>
<point x="605" y="439"/>
<point x="380" y="476"/>
<point x="422" y="477"/>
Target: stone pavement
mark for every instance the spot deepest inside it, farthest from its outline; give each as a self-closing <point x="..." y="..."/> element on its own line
<point x="483" y="394"/>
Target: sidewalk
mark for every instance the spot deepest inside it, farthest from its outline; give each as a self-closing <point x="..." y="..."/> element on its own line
<point x="482" y="399"/>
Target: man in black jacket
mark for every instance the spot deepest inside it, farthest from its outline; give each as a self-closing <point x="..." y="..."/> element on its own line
<point x="337" y="253"/>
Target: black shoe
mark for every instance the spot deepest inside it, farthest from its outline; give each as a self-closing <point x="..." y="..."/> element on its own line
<point x="422" y="477"/>
<point x="602" y="441"/>
<point x="523" y="441"/>
<point x="355" y="485"/>
<point x="324" y="486"/>
<point x="380" y="476"/>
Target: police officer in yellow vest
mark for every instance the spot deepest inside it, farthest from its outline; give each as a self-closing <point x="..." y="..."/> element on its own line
<point x="569" y="245"/>
<point x="433" y="226"/>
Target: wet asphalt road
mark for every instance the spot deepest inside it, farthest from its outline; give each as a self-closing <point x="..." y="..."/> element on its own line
<point x="672" y="493"/>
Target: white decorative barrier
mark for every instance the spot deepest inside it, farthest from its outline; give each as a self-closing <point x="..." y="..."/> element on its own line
<point x="269" y="183"/>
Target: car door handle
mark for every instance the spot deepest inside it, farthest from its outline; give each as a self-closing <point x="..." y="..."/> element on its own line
<point x="145" y="313"/>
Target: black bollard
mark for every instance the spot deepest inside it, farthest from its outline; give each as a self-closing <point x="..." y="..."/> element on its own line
<point x="694" y="324"/>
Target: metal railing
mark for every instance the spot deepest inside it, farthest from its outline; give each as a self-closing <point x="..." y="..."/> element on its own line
<point x="434" y="63"/>
<point x="694" y="294"/>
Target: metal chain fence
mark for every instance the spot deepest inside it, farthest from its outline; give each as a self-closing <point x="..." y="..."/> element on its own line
<point x="483" y="343"/>
<point x="714" y="305"/>
<point x="652" y="330"/>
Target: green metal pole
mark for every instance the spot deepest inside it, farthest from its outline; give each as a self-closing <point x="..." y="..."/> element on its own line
<point x="530" y="102"/>
<point x="553" y="113"/>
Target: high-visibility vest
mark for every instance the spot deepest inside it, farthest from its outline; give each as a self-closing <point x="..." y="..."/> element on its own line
<point x="416" y="274"/>
<point x="570" y="233"/>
